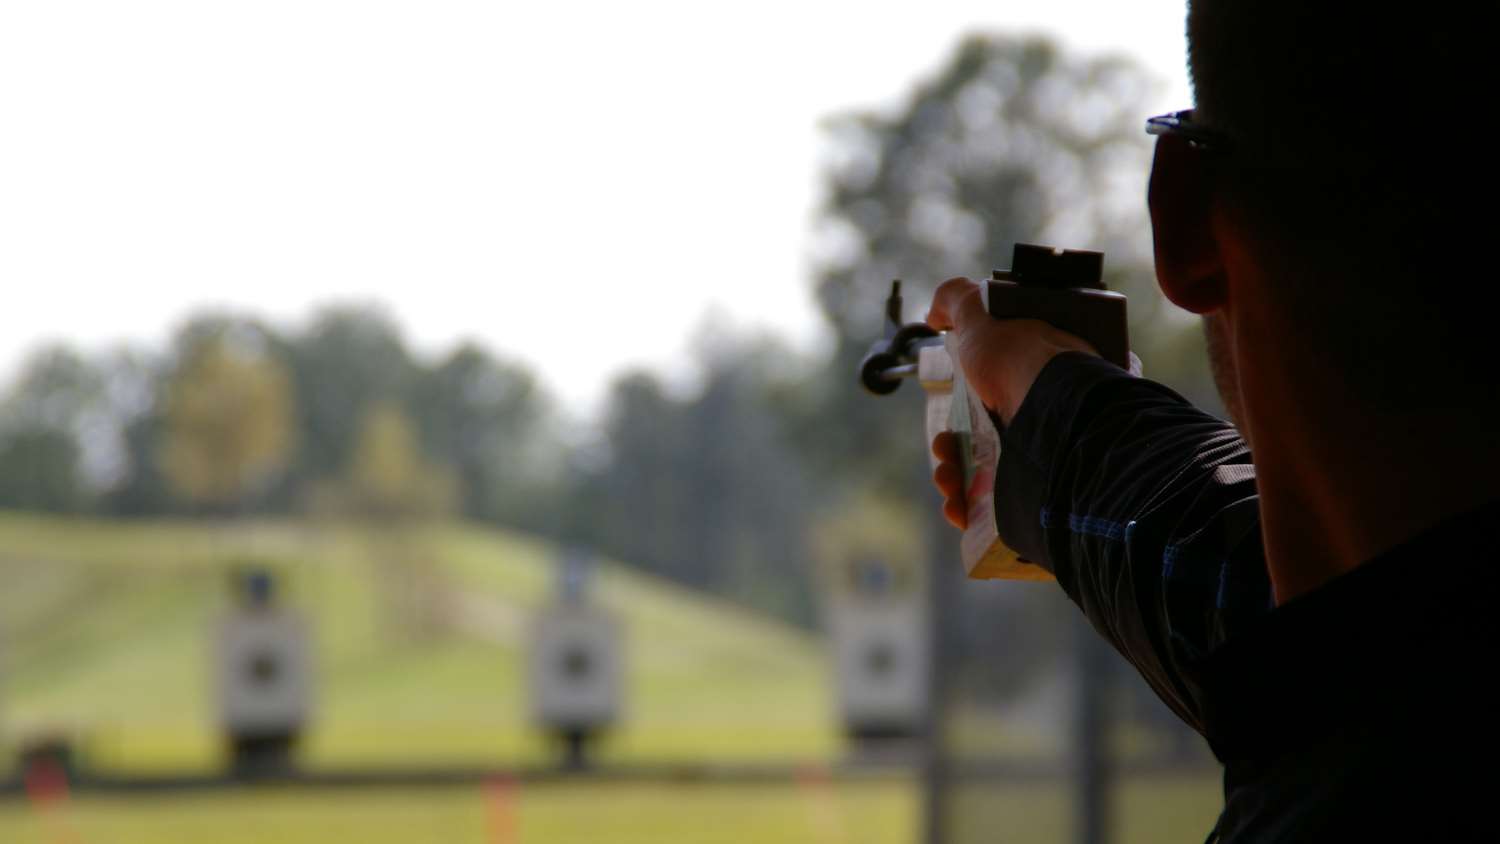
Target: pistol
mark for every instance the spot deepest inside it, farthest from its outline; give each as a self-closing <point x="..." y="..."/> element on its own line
<point x="1063" y="287"/>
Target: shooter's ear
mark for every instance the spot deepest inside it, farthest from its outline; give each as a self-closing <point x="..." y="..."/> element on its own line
<point x="1189" y="262"/>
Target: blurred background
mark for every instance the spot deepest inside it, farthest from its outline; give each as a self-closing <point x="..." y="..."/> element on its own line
<point x="437" y="421"/>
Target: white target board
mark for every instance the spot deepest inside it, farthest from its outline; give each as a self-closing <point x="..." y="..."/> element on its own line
<point x="264" y="668"/>
<point x="575" y="669"/>
<point x="880" y="660"/>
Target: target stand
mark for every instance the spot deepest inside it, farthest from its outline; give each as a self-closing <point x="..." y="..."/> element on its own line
<point x="575" y="667"/>
<point x="264" y="676"/>
<point x="878" y="637"/>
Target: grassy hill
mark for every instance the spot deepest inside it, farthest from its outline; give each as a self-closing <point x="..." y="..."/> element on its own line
<point x="104" y="628"/>
<point x="420" y="637"/>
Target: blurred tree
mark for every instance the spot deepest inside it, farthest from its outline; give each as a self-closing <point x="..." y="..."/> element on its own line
<point x="492" y="424"/>
<point x="627" y="502"/>
<point x="389" y="478"/>
<point x="485" y="419"/>
<point x="143" y="488"/>
<point x="57" y="406"/>
<point x="349" y="359"/>
<point x="705" y="489"/>
<point x="391" y="490"/>
<point x="57" y="388"/>
<point x="132" y="386"/>
<point x="39" y="470"/>
<point x="136" y="385"/>
<point x="228" y="418"/>
<point x="1012" y="141"/>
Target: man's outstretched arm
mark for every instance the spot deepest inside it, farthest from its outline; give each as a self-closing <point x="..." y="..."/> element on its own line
<point x="1143" y="506"/>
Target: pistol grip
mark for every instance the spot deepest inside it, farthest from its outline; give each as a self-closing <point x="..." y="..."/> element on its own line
<point x="984" y="555"/>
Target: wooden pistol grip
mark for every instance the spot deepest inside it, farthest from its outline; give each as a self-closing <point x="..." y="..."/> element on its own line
<point x="1097" y="316"/>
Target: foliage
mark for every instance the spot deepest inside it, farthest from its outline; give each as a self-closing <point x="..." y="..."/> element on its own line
<point x="45" y="421"/>
<point x="1012" y="141"/>
<point x="239" y="416"/>
<point x="347" y="360"/>
<point x="492" y="423"/>
<point x="57" y="389"/>
<point x="39" y="471"/>
<point x="228" y="422"/>
<point x="706" y="489"/>
<point x="389" y="480"/>
<point x="393" y="489"/>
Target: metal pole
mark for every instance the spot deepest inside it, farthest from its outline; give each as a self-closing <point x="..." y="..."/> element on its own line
<point x="1091" y="764"/>
<point x="943" y="576"/>
<point x="575" y="749"/>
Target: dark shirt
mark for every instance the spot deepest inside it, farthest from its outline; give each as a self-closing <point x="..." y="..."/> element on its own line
<point x="1364" y="710"/>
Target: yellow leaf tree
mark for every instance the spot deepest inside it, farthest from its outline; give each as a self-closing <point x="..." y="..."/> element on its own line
<point x="389" y="478"/>
<point x="228" y="424"/>
<point x="393" y="490"/>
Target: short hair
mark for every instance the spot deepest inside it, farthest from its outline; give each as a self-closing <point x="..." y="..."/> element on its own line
<point x="1313" y="83"/>
<point x="1356" y="144"/>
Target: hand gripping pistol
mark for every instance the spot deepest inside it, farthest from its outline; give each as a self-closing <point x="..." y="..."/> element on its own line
<point x="1061" y="287"/>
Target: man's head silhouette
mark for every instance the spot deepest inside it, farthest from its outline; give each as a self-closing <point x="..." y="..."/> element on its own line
<point x="1339" y="216"/>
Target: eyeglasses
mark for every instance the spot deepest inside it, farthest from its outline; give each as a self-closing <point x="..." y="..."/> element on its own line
<point x="1180" y="124"/>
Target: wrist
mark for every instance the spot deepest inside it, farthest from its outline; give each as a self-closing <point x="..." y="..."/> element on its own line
<point x="1025" y="367"/>
<point x="1021" y="376"/>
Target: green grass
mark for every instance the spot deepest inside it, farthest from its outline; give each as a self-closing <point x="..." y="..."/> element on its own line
<point x="884" y="812"/>
<point x="557" y="814"/>
<point x="106" y="627"/>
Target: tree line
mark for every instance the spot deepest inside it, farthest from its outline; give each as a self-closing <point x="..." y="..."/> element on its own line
<point x="724" y="489"/>
<point x="236" y="417"/>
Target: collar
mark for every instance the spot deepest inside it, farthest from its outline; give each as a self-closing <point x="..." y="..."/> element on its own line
<point x="1336" y="654"/>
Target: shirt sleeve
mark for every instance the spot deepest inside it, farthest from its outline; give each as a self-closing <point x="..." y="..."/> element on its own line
<point x="1144" y="508"/>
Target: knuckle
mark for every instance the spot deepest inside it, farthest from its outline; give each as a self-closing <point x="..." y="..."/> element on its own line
<point x="955" y="286"/>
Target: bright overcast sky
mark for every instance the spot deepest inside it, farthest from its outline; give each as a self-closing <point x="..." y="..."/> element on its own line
<point x="574" y="184"/>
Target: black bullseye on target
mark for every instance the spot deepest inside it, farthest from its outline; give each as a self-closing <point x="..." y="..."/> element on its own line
<point x="262" y="669"/>
<point x="575" y="664"/>
<point x="880" y="659"/>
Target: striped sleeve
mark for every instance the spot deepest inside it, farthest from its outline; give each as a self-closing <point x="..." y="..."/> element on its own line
<point x="1145" y="509"/>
